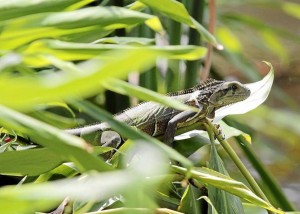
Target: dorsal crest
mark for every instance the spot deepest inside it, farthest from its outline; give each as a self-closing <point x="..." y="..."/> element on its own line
<point x="209" y="84"/>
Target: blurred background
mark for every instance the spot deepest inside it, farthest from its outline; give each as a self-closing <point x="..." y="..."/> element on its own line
<point x="268" y="30"/>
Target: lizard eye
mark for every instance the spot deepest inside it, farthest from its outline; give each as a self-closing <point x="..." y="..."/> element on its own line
<point x="234" y="87"/>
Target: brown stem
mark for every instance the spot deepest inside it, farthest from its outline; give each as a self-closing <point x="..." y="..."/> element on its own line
<point x="211" y="29"/>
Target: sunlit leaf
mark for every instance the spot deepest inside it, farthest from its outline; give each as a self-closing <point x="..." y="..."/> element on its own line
<point x="272" y="41"/>
<point x="125" y="41"/>
<point x="33" y="54"/>
<point x="93" y="187"/>
<point x="69" y="148"/>
<point x="176" y="10"/>
<point x="68" y="25"/>
<point x="28" y="162"/>
<point x="18" y="8"/>
<point x="39" y="89"/>
<point x="226" y="183"/>
<point x="291" y="8"/>
<point x="228" y="39"/>
<point x="123" y="87"/>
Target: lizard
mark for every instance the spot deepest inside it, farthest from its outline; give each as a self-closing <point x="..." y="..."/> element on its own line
<point x="156" y="119"/>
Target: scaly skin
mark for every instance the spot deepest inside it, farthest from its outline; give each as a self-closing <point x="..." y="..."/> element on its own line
<point x="156" y="119"/>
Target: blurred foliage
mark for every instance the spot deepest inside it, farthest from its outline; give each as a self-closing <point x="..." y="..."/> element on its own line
<point x="59" y="56"/>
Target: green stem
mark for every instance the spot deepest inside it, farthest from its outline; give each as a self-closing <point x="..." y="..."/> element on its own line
<point x="192" y="67"/>
<point x="238" y="162"/>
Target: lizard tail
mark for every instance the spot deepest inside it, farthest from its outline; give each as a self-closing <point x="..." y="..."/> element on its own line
<point x="85" y="130"/>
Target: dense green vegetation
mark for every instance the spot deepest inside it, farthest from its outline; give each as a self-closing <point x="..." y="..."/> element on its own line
<point x="58" y="60"/>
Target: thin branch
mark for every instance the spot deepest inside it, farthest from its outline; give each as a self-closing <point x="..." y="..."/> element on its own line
<point x="211" y="29"/>
<point x="238" y="163"/>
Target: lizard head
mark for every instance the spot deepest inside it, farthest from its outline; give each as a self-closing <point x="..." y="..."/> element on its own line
<point x="228" y="93"/>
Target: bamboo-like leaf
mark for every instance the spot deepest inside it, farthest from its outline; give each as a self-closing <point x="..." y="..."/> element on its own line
<point x="214" y="211"/>
<point x="69" y="148"/>
<point x="176" y="10"/>
<point x="66" y="170"/>
<point x="84" y="80"/>
<point x="123" y="87"/>
<point x="20" y="31"/>
<point x="33" y="55"/>
<point x="19" y="8"/>
<point x="223" y="201"/>
<point x="226" y="183"/>
<point x="291" y="8"/>
<point x="28" y="162"/>
<point x="189" y="202"/>
<point x="125" y="41"/>
<point x="91" y="187"/>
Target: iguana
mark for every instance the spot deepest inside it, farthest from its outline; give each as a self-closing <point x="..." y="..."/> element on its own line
<point x="156" y="119"/>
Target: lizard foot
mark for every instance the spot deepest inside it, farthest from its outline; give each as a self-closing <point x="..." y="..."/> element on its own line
<point x="220" y="133"/>
<point x="111" y="139"/>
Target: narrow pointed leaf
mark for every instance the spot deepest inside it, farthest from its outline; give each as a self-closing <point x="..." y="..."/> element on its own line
<point x="68" y="147"/>
<point x="226" y="183"/>
<point x="33" y="54"/>
<point x="18" y="8"/>
<point x="68" y="24"/>
<point x="223" y="201"/>
<point x="189" y="202"/>
<point x="28" y="162"/>
<point x="123" y="87"/>
<point x="176" y="10"/>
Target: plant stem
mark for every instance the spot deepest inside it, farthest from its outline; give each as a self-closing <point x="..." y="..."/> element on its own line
<point x="238" y="162"/>
<point x="211" y="29"/>
<point x="192" y="67"/>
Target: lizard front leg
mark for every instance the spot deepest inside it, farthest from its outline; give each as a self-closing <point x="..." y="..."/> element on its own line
<point x="173" y="124"/>
<point x="110" y="138"/>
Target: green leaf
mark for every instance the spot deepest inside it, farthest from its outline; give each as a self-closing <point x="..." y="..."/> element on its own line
<point x="69" y="148"/>
<point x="93" y="186"/>
<point x="176" y="10"/>
<point x="123" y="87"/>
<point x="84" y="80"/>
<point x="214" y="211"/>
<point x="223" y="201"/>
<point x="293" y="9"/>
<point x="126" y="41"/>
<point x="63" y="171"/>
<point x="189" y="202"/>
<point x="28" y="162"/>
<point x="225" y="183"/>
<point x="228" y="39"/>
<point x="19" y="8"/>
<point x="272" y="41"/>
<point x="33" y="54"/>
<point x="21" y="31"/>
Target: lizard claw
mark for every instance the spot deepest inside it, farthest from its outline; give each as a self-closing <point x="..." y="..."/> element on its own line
<point x="220" y="133"/>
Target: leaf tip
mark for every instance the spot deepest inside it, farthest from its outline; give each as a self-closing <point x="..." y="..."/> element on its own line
<point x="219" y="47"/>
